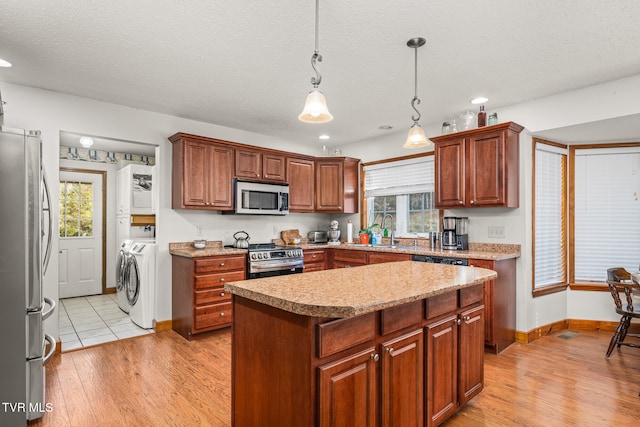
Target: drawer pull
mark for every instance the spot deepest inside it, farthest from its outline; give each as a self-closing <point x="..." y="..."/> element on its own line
<point x="222" y="279"/>
<point x="222" y="314"/>
<point x="222" y="264"/>
<point x="221" y="294"/>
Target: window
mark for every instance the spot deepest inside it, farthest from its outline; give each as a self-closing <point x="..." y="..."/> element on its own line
<point x="76" y="209"/>
<point x="606" y="211"/>
<point x="550" y="218"/>
<point x="403" y="189"/>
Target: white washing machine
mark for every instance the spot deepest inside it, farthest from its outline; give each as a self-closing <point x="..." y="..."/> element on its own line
<point x="121" y="264"/>
<point x="140" y="283"/>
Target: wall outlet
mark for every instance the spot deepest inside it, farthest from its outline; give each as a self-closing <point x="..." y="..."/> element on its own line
<point x="497" y="231"/>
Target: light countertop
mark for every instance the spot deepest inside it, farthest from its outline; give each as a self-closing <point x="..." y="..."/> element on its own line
<point x="349" y="292"/>
<point x="486" y="251"/>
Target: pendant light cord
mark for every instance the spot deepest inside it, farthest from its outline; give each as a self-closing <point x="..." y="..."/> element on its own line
<point x="415" y="99"/>
<point x="316" y="57"/>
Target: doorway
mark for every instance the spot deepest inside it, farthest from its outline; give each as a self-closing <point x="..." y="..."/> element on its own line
<point x="82" y="225"/>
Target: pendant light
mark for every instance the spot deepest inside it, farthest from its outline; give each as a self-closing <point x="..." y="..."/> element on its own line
<point x="416" y="137"/>
<point x="315" y="108"/>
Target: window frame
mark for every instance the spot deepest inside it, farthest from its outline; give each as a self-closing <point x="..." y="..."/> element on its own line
<point x="562" y="286"/>
<point x="364" y="206"/>
<point x="591" y="286"/>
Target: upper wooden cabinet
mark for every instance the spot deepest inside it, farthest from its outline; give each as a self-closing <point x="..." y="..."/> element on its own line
<point x="260" y="165"/>
<point x="478" y="167"/>
<point x="301" y="179"/>
<point x="202" y="174"/>
<point x="336" y="185"/>
<point x="204" y="169"/>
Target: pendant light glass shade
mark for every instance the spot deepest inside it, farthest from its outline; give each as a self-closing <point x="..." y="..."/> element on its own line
<point x="315" y="109"/>
<point x="416" y="137"/>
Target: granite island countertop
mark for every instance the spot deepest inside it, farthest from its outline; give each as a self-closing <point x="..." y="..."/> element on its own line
<point x="350" y="292"/>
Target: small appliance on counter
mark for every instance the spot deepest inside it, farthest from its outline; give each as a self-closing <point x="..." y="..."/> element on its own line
<point x="334" y="233"/>
<point x="462" y="233"/>
<point x="448" y="239"/>
<point x="317" y="237"/>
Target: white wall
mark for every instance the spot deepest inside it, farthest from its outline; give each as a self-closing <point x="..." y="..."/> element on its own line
<point x="51" y="112"/>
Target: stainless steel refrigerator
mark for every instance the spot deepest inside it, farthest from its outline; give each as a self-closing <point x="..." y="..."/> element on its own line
<point x="26" y="243"/>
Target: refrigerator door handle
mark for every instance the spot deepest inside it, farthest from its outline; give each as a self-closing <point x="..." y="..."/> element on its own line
<point x="47" y="208"/>
<point x="46" y="314"/>
<point x="52" y="348"/>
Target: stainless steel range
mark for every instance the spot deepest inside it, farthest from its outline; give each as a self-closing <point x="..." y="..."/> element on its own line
<point x="267" y="259"/>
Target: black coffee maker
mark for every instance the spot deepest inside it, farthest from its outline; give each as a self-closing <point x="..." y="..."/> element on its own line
<point x="448" y="240"/>
<point x="462" y="233"/>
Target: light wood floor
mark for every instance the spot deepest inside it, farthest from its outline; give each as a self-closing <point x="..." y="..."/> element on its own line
<point x="163" y="380"/>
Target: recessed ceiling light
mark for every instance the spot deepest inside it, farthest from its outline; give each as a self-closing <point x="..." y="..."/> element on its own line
<point x="4" y="63"/>
<point x="324" y="136"/>
<point x="385" y="127"/>
<point x="479" y="100"/>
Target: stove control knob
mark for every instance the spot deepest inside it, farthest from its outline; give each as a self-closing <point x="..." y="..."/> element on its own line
<point x="260" y="256"/>
<point x="253" y="256"/>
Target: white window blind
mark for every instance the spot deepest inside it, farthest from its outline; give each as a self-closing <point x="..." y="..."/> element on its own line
<point x="400" y="177"/>
<point x="607" y="211"/>
<point x="550" y="250"/>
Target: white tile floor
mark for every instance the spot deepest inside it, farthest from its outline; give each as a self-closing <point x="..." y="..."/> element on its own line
<point x="96" y="319"/>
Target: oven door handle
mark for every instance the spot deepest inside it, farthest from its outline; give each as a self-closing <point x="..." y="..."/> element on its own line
<point x="273" y="266"/>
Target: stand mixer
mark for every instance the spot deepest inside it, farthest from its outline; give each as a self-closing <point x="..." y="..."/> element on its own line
<point x="334" y="233"/>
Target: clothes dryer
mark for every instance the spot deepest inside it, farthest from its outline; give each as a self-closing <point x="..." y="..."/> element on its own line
<point x="140" y="283"/>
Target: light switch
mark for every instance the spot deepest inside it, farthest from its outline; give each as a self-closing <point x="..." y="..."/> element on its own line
<point x="497" y="231"/>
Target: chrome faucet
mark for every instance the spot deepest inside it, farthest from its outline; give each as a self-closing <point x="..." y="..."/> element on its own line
<point x="384" y="218"/>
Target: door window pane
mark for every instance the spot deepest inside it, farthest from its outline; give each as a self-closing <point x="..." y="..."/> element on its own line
<point x="76" y="209"/>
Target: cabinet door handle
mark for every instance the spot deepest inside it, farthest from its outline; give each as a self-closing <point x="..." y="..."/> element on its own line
<point x="467" y="318"/>
<point x="375" y="357"/>
<point x="458" y="321"/>
<point x="472" y="202"/>
<point x="390" y="350"/>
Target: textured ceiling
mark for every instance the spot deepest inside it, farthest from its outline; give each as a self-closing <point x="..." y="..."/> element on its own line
<point x="246" y="64"/>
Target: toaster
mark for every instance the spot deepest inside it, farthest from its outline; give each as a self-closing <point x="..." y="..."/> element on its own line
<point x="317" y="237"/>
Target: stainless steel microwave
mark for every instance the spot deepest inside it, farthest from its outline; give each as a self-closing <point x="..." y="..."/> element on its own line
<point x="260" y="198"/>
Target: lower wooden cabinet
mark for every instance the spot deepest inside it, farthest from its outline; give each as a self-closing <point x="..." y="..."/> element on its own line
<point x="347" y="391"/>
<point x="499" y="303"/>
<point x="401" y="383"/>
<point x="314" y="260"/>
<point x="345" y="258"/>
<point x="199" y="301"/>
<point x="455" y="355"/>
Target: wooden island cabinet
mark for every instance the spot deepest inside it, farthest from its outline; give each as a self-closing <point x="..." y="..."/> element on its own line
<point x="380" y="345"/>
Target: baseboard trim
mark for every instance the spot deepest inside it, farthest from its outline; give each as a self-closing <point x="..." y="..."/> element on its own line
<point x="162" y="326"/>
<point x="575" y="324"/>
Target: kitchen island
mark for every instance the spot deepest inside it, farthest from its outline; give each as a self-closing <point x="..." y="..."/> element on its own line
<point x="387" y="344"/>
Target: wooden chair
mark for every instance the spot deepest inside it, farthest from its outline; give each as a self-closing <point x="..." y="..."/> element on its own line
<point x="618" y="280"/>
